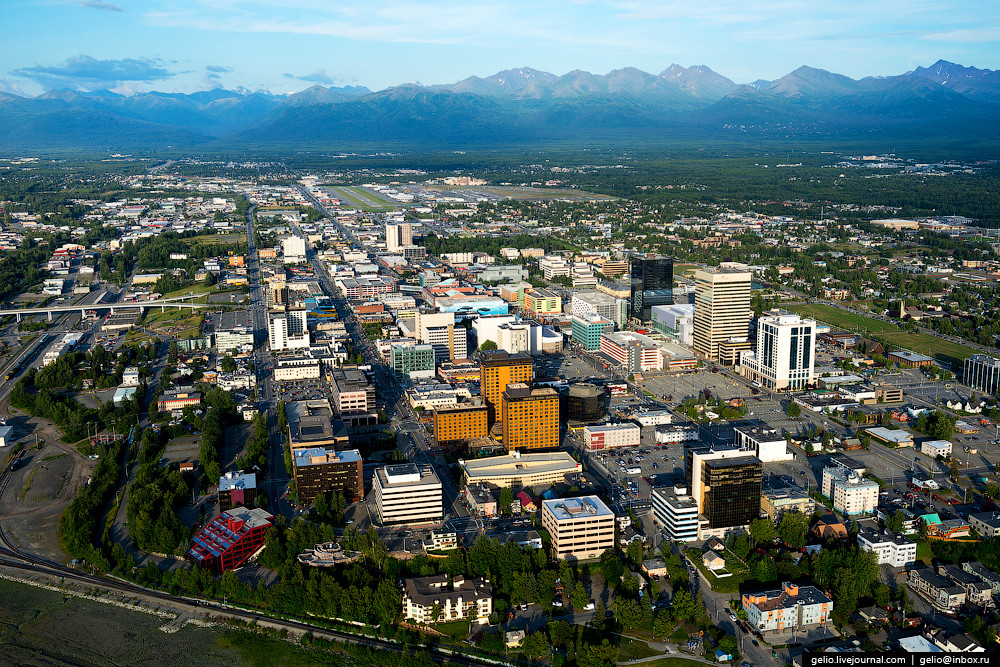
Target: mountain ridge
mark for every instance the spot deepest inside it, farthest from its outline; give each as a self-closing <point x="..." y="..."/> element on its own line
<point x="516" y="105"/>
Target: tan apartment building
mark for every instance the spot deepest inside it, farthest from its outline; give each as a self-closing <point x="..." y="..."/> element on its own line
<point x="580" y="528"/>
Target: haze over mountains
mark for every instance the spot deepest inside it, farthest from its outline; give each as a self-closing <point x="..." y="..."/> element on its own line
<point x="519" y="106"/>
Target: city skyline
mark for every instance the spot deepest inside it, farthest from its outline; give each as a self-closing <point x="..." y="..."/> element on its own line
<point x="195" y="45"/>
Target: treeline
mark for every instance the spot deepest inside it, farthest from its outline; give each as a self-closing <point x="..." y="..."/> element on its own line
<point x="153" y="499"/>
<point x="78" y="526"/>
<point x="220" y="411"/>
<point x="102" y="367"/>
<point x="19" y="269"/>
<point x="74" y="419"/>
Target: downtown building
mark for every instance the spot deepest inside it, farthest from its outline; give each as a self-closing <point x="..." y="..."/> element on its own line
<point x="580" y="528"/>
<point x="529" y="417"/>
<point x="851" y="494"/>
<point x="982" y="373"/>
<point x="652" y="284"/>
<point x="407" y="494"/>
<point x="722" y="309"/>
<point x="317" y="470"/>
<point x="605" y="305"/>
<point x="229" y="539"/>
<point x="726" y="484"/>
<point x="497" y="370"/>
<point x="784" y="359"/>
<point x="287" y="329"/>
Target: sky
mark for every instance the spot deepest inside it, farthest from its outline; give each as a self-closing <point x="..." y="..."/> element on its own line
<point x="283" y="46"/>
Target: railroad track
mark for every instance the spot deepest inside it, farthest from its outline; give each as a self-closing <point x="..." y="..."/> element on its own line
<point x="12" y="557"/>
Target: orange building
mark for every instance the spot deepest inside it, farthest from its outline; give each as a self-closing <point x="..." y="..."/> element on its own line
<point x="460" y="423"/>
<point x="530" y="417"/>
<point x="497" y="370"/>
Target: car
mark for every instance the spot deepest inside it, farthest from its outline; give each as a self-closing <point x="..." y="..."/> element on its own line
<point x="754" y="642"/>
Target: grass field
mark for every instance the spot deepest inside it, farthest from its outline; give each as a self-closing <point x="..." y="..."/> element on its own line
<point x="362" y="199"/>
<point x="214" y="239"/>
<point x="630" y="649"/>
<point x="921" y="343"/>
<point x="178" y="322"/>
<point x="672" y="662"/>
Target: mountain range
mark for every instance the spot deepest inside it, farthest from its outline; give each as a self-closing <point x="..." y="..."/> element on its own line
<point x="519" y="106"/>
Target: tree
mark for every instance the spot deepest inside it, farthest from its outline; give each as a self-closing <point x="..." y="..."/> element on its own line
<point x="628" y="612"/>
<point x="578" y="598"/>
<point x="209" y="279"/>
<point x="228" y="364"/>
<point x="793" y="410"/>
<point x="536" y="644"/>
<point x="506" y="498"/>
<point x="896" y="522"/>
<point x="762" y="531"/>
<point x="600" y="617"/>
<point x="992" y="490"/>
<point x="684" y="606"/>
<point x="793" y="529"/>
<point x="635" y="552"/>
<point x="612" y="568"/>
<point x="487" y="345"/>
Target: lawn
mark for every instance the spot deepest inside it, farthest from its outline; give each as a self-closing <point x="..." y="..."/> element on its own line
<point x="944" y="350"/>
<point x="213" y="239"/>
<point x="922" y="343"/>
<point x="725" y="584"/>
<point x="672" y="662"/>
<point x="178" y="322"/>
<point x="841" y="318"/>
<point x="455" y="629"/>
<point x="630" y="649"/>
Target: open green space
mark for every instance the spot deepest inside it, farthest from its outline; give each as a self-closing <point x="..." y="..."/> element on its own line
<point x="178" y="322"/>
<point x="672" y="662"/>
<point x="922" y="343"/>
<point x="214" y="239"/>
<point x="944" y="350"/>
<point x="631" y="649"/>
<point x="844" y="319"/>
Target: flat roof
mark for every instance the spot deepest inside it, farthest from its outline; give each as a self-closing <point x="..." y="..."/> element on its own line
<point x="238" y="480"/>
<point x="508" y="464"/>
<point x="320" y="456"/>
<point x="911" y="356"/>
<point x="406" y="474"/>
<point x="565" y="509"/>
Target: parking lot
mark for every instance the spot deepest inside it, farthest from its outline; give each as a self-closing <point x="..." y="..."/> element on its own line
<point x="302" y="390"/>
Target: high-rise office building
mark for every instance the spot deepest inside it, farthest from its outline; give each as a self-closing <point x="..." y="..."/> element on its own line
<point x="652" y="284"/>
<point x="530" y="417"/>
<point x="721" y="310"/>
<point x="785" y="355"/>
<point x="497" y="370"/>
<point x="439" y="330"/>
<point x="982" y="373"/>
<point x="398" y="235"/>
<point x="726" y="483"/>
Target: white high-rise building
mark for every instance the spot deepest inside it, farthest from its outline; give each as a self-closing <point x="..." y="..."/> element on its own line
<point x="287" y="329"/>
<point x="439" y="330"/>
<point x="722" y="308"/>
<point x="407" y="493"/>
<point x="553" y="266"/>
<point x="785" y="355"/>
<point x="605" y="305"/>
<point x="293" y="250"/>
<point x="851" y="494"/>
<point x="398" y="235"/>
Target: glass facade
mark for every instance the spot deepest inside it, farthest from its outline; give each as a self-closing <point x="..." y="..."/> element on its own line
<point x="652" y="284"/>
<point x="733" y="494"/>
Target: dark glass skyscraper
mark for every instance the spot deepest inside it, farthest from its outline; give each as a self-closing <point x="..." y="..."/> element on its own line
<point x="652" y="284"/>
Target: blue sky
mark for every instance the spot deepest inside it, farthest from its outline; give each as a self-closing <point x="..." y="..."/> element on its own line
<point x="285" y="46"/>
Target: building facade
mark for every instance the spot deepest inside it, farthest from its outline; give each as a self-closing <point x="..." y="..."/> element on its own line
<point x="726" y="483"/>
<point x="588" y="329"/>
<point x="517" y="469"/>
<point x="652" y="284"/>
<point x="580" y="528"/>
<point x="611" y="436"/>
<point x="497" y="370"/>
<point x="785" y="355"/>
<point x="722" y="309"/>
<point x="317" y="470"/>
<point x="982" y="373"/>
<point x="793" y="607"/>
<point x="766" y="443"/>
<point x="851" y="494"/>
<point x="677" y="513"/>
<point x="229" y="539"/>
<point x="894" y="550"/>
<point x="598" y="303"/>
<point x="287" y="329"/>
<point x="459" y="599"/>
<point x="530" y="417"/>
<point x="460" y="423"/>
<point x="407" y="494"/>
<point x="414" y="361"/>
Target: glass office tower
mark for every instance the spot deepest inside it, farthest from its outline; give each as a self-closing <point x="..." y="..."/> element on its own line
<point x="652" y="284"/>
